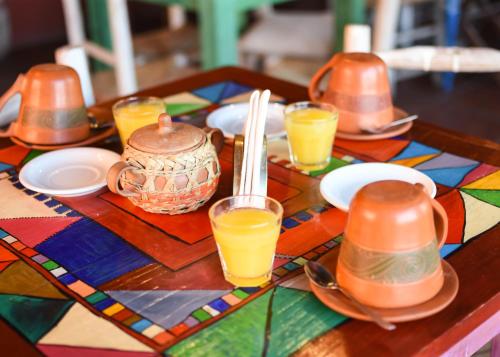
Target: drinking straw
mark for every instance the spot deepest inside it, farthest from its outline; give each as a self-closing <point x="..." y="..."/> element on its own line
<point x="259" y="142"/>
<point x="246" y="142"/>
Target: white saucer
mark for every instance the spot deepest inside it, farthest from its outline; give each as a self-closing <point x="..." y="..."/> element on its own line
<point x="68" y="172"/>
<point x="339" y="186"/>
<point x="231" y="119"/>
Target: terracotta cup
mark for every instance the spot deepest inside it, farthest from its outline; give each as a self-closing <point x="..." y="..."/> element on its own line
<point x="52" y="109"/>
<point x="390" y="254"/>
<point x="359" y="87"/>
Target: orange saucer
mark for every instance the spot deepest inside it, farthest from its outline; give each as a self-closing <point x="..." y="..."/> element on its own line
<point x="389" y="133"/>
<point x="338" y="302"/>
<point x="95" y="136"/>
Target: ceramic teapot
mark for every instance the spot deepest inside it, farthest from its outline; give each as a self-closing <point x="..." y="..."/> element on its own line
<point x="168" y="167"/>
<point x="389" y="257"/>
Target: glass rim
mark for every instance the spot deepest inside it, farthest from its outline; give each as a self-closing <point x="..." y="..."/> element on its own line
<point x="136" y="98"/>
<point x="291" y="107"/>
<point x="279" y="214"/>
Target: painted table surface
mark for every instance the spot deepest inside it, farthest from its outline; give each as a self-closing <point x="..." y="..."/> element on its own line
<point x="96" y="276"/>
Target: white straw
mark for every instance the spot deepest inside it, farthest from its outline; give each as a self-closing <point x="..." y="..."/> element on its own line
<point x="251" y="146"/>
<point x="259" y="142"/>
<point x="248" y="126"/>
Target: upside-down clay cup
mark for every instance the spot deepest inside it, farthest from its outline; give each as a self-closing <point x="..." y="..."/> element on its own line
<point x="359" y="87"/>
<point x="390" y="254"/>
<point x="52" y="108"/>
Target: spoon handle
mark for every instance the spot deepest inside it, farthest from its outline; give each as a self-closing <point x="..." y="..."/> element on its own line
<point x="375" y="316"/>
<point x="402" y="121"/>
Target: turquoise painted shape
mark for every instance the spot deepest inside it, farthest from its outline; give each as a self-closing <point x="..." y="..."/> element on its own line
<point x="297" y="317"/>
<point x="238" y="334"/>
<point x="3" y="234"/>
<point x="415" y="149"/>
<point x="4" y="166"/>
<point x="449" y="176"/>
<point x="31" y="316"/>
<point x="212" y="92"/>
<point x="448" y="249"/>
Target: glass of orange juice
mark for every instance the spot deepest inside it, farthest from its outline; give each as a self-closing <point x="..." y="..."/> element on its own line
<point x="134" y="113"/>
<point x="246" y="230"/>
<point x="311" y="129"/>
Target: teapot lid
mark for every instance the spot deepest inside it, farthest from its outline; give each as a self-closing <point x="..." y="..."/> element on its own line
<point x="166" y="137"/>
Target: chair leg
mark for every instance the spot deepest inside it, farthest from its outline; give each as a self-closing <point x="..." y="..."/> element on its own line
<point x="451" y="23"/>
<point x="176" y="17"/>
<point x="74" y="22"/>
<point x="385" y="24"/>
<point x="122" y="47"/>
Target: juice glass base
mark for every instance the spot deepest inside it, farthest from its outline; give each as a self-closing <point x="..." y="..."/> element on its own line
<point x="310" y="167"/>
<point x="247" y="282"/>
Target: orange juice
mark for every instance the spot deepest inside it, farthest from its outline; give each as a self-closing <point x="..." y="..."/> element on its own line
<point x="310" y="132"/>
<point x="134" y="113"/>
<point x="246" y="239"/>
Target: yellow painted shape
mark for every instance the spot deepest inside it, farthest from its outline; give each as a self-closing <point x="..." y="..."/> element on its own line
<point x="186" y="97"/>
<point x="414" y="161"/>
<point x="80" y="327"/>
<point x="14" y="203"/>
<point x="113" y="309"/>
<point x="479" y="216"/>
<point x="152" y="331"/>
<point x="490" y="182"/>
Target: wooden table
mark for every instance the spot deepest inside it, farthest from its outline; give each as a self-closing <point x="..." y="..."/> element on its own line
<point x="95" y="274"/>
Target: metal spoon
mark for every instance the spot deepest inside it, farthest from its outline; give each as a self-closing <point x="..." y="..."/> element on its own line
<point x="321" y="276"/>
<point x="391" y="124"/>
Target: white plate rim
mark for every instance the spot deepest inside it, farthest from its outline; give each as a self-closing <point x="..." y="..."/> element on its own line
<point x="211" y="119"/>
<point x="426" y="181"/>
<point x="61" y="192"/>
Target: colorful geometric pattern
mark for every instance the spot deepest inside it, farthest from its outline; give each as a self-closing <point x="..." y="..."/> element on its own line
<point x="97" y="276"/>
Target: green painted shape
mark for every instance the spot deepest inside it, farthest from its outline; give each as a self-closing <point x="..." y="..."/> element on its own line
<point x="31" y="155"/>
<point x="334" y="164"/>
<point x="298" y="317"/>
<point x="50" y="264"/>
<point x="182" y="108"/>
<point x="96" y="297"/>
<point x="489" y="196"/>
<point x="238" y="334"/>
<point x="240" y="294"/>
<point x="201" y="315"/>
<point x="32" y="317"/>
<point x="339" y="239"/>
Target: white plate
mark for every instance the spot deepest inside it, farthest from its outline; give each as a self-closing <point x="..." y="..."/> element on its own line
<point x="68" y="172"/>
<point x="231" y="119"/>
<point x="339" y="186"/>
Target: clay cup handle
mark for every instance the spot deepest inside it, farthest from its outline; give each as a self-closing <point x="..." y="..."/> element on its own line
<point x="113" y="178"/>
<point x="216" y="137"/>
<point x="314" y="93"/>
<point x="440" y="222"/>
<point x="14" y="89"/>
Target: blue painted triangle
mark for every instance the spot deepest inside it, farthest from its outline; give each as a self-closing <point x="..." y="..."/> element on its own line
<point x="451" y="176"/>
<point x="4" y="166"/>
<point x="166" y="308"/>
<point x="232" y="89"/>
<point x="445" y="160"/>
<point x="448" y="249"/>
<point x="415" y="149"/>
<point x="212" y="92"/>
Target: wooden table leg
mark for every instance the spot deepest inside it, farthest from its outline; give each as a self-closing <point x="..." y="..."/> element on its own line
<point x="346" y="12"/>
<point x="218" y="32"/>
